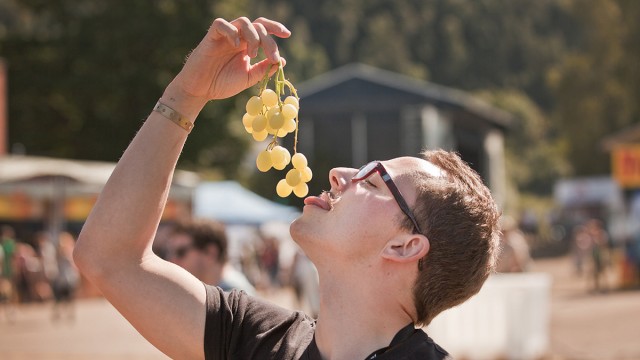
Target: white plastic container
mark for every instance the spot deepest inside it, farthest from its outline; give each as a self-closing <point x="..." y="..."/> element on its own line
<point x="507" y="319"/>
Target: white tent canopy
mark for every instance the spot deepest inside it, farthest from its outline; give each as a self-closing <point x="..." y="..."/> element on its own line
<point x="230" y="203"/>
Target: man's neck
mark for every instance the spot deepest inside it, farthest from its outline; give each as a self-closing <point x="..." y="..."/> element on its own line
<point x="357" y="317"/>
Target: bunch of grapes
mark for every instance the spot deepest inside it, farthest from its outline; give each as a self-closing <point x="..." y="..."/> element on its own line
<point x="268" y="115"/>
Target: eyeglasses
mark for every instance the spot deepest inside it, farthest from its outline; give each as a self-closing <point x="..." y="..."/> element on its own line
<point x="376" y="166"/>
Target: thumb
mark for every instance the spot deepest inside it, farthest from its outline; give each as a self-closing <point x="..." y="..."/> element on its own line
<point x="258" y="69"/>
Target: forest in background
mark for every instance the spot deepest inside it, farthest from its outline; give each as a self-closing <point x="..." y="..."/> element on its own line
<point x="83" y="74"/>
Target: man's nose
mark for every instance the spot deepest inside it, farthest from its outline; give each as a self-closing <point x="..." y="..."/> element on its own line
<point x="340" y="178"/>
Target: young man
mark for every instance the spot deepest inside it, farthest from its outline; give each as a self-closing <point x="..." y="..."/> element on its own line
<point x="395" y="242"/>
<point x="200" y="247"/>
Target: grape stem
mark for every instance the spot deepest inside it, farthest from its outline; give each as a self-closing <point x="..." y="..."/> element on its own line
<point x="279" y="84"/>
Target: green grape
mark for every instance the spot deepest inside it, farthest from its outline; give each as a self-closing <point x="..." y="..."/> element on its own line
<point x="289" y="126"/>
<point x="259" y="123"/>
<point x="283" y="189"/>
<point x="271" y="112"/>
<point x="293" y="177"/>
<point x="301" y="190"/>
<point x="269" y="98"/>
<point x="247" y="120"/>
<point x="277" y="120"/>
<point x="280" y="157"/>
<point x="299" y="161"/>
<point x="263" y="161"/>
<point x="289" y="111"/>
<point x="260" y="135"/>
<point x="293" y="101"/>
<point x="249" y="129"/>
<point x="307" y="174"/>
<point x="254" y="106"/>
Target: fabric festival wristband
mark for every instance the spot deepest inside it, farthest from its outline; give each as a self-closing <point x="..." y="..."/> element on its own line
<point x="174" y="116"/>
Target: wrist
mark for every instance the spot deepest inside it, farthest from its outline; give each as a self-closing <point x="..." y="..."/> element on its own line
<point x="187" y="105"/>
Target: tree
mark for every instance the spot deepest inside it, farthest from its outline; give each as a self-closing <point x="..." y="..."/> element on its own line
<point x="84" y="74"/>
<point x="596" y="86"/>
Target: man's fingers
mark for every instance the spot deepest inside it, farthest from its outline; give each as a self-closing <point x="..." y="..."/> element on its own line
<point x="249" y="34"/>
<point x="268" y="44"/>
<point x="258" y="69"/>
<point x="274" y="27"/>
<point x="221" y="28"/>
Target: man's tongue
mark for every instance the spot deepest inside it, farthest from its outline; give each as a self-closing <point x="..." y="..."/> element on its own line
<point x="316" y="201"/>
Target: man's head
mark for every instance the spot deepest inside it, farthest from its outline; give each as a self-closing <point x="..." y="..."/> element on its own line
<point x="360" y="224"/>
<point x="199" y="246"/>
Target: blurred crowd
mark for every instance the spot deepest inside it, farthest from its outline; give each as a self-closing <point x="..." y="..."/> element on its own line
<point x="254" y="259"/>
<point x="38" y="269"/>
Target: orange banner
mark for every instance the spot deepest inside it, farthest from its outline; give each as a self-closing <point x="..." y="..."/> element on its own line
<point x="625" y="161"/>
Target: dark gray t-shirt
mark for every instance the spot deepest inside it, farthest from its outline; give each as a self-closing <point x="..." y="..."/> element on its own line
<point x="240" y="326"/>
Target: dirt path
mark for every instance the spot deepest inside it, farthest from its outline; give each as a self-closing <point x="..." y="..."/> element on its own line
<point x="587" y="324"/>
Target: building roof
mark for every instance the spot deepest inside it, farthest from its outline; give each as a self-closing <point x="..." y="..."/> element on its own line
<point x="429" y="92"/>
<point x="628" y="135"/>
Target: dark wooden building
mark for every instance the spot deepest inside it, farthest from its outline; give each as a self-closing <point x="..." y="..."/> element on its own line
<point x="358" y="113"/>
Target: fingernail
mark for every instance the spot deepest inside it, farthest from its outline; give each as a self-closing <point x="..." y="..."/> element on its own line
<point x="237" y="42"/>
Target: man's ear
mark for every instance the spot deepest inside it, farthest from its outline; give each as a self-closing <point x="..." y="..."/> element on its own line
<point x="406" y="248"/>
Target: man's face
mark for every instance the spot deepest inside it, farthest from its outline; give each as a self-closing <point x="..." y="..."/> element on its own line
<point x="364" y="215"/>
<point x="180" y="251"/>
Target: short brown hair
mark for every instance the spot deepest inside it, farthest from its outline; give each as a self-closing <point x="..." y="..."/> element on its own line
<point x="203" y="233"/>
<point x="459" y="217"/>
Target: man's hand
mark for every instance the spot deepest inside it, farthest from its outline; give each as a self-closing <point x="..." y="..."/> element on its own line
<point x="220" y="67"/>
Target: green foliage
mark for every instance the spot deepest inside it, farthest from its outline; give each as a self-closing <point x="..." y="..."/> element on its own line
<point x="84" y="73"/>
<point x="535" y="155"/>
<point x="596" y="86"/>
<point x="89" y="72"/>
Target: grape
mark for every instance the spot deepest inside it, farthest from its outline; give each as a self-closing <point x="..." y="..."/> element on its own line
<point x="247" y="120"/>
<point x="271" y="130"/>
<point x="259" y="123"/>
<point x="301" y="190"/>
<point x="269" y="98"/>
<point x="283" y="189"/>
<point x="280" y="157"/>
<point x="249" y="130"/>
<point x="254" y="106"/>
<point x="263" y="161"/>
<point x="272" y="111"/>
<point x="260" y="135"/>
<point x="307" y="174"/>
<point x="289" y="126"/>
<point x="299" y="161"/>
<point x="289" y="111"/>
<point x="293" y="101"/>
<point x="293" y="177"/>
<point x="277" y="120"/>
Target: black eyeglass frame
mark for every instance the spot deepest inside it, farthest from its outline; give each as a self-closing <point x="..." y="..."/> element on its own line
<point x="376" y="166"/>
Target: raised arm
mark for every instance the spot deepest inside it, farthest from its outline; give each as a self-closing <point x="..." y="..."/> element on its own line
<point x="162" y="301"/>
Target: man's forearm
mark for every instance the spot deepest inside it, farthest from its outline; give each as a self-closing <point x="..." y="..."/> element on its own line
<point x="123" y="222"/>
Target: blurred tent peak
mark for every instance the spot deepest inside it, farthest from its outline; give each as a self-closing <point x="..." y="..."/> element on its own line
<point x="230" y="203"/>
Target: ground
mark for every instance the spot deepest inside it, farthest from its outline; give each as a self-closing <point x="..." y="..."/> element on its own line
<point x="584" y="325"/>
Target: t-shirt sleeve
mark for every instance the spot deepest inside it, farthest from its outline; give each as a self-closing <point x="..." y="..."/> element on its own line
<point x="241" y="326"/>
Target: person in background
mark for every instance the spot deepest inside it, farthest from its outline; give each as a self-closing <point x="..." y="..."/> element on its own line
<point x="514" y="255"/>
<point x="67" y="279"/>
<point x="7" y="271"/>
<point x="200" y="247"/>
